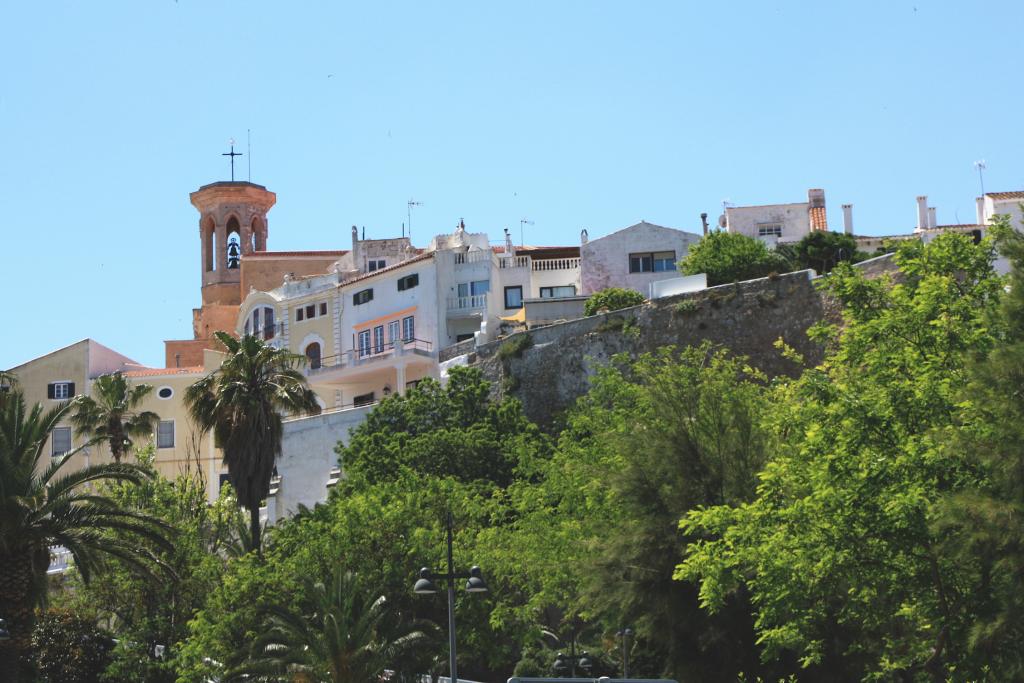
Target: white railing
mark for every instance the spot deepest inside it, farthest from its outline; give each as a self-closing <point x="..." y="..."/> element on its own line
<point x="557" y="263"/>
<point x="472" y="256"/>
<point x="515" y="262"/>
<point x="467" y="303"/>
<point x="370" y="354"/>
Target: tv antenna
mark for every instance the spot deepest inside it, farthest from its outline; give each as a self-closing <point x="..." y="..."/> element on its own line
<point x="980" y="165"/>
<point x="522" y="222"/>
<point x="411" y="203"/>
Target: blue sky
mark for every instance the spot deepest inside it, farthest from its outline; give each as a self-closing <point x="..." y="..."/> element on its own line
<point x="570" y="114"/>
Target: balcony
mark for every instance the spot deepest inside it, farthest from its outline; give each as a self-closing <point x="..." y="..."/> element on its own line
<point x="467" y="306"/>
<point x="514" y="262"/>
<point x="371" y="358"/>
<point x="465" y="257"/>
<point x="572" y="263"/>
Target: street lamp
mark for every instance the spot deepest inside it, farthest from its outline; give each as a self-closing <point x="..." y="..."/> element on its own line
<point x="567" y="663"/>
<point x="626" y="635"/>
<point x="474" y="584"/>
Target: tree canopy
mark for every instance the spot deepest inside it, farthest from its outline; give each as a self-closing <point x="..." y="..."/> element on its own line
<point x="730" y="257"/>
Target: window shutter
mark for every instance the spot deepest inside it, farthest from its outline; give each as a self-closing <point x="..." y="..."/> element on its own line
<point x="71" y="389"/>
<point x="50" y="390"/>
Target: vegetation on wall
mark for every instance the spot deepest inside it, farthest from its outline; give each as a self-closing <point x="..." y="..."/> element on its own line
<point x="731" y="257"/>
<point x="611" y="299"/>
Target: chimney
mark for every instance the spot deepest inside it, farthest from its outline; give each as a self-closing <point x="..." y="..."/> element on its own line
<point x="848" y="219"/>
<point x="509" y="249"/>
<point x="816" y="198"/>
<point x="584" y="237"/>
<point x="922" y="212"/>
<point x="704" y="220"/>
<point x="931" y="217"/>
<point x="980" y="204"/>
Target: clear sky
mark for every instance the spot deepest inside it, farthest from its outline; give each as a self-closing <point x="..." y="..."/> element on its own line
<point x="569" y="114"/>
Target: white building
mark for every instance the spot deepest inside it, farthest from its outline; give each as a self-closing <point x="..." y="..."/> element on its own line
<point x="633" y="257"/>
<point x="778" y="223"/>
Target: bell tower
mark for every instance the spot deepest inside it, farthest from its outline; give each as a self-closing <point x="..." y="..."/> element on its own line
<point x="232" y="224"/>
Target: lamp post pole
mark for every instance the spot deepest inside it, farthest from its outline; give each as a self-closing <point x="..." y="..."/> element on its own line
<point x="474" y="584"/>
<point x="627" y="636"/>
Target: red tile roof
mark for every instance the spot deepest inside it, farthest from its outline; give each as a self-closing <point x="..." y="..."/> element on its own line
<point x="818" y="219"/>
<point x="155" y="372"/>
<point x="289" y="254"/>
<point x="1018" y="194"/>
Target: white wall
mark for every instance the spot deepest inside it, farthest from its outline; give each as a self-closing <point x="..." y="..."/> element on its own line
<point x="795" y="219"/>
<point x="604" y="262"/>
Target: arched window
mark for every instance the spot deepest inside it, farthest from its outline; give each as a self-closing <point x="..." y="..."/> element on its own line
<point x="257" y="235"/>
<point x="233" y="250"/>
<point x="209" y="245"/>
<point x="262" y="322"/>
<point x="313" y="354"/>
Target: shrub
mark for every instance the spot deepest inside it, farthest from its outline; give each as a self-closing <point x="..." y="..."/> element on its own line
<point x="514" y="347"/>
<point x="731" y="257"/>
<point x="612" y="299"/>
<point x="70" y="648"/>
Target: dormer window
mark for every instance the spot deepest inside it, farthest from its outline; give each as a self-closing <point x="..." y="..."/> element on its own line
<point x="408" y="282"/>
<point x="375" y="264"/>
<point x="363" y="297"/>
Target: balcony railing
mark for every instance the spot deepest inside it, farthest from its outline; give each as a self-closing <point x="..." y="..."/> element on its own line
<point x="371" y="354"/>
<point x="557" y="263"/>
<point x="514" y="262"/>
<point x="462" y="257"/>
<point x="467" y="303"/>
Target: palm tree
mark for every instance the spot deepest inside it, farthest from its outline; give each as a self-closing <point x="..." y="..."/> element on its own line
<point x="242" y="402"/>
<point x="347" y="638"/>
<point x="111" y="416"/>
<point x="41" y="506"/>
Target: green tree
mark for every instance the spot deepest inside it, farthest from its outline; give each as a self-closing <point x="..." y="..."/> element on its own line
<point x="451" y="431"/>
<point x="838" y="551"/>
<point x="982" y="526"/>
<point x="42" y="505"/>
<point x="730" y="257"/>
<point x="343" y="636"/>
<point x="598" y="537"/>
<point x="241" y="402"/>
<point x="70" y="648"/>
<point x="112" y="415"/>
<point x="823" y="250"/>
<point x="611" y="299"/>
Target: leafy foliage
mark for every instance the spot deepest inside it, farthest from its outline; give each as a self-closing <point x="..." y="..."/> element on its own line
<point x="43" y="505"/>
<point x="611" y="299"/>
<point x="823" y="250"/>
<point x="731" y="257"/>
<point x="452" y="431"/>
<point x="111" y="416"/>
<point x="70" y="648"/>
<point x="241" y="402"/>
<point x="837" y="550"/>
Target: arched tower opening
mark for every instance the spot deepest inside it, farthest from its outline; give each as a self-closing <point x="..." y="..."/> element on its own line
<point x="258" y="231"/>
<point x="233" y="247"/>
<point x="208" y="233"/>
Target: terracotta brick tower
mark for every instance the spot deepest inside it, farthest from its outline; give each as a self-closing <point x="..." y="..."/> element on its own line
<point x="232" y="223"/>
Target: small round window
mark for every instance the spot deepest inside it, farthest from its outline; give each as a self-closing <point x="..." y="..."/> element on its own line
<point x="165" y="392"/>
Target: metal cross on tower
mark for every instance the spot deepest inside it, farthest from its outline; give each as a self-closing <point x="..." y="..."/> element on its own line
<point x="232" y="154"/>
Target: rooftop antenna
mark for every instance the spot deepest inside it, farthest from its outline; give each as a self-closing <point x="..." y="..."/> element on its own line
<point x="980" y="165"/>
<point x="522" y="222"/>
<point x="411" y="203"/>
<point x="232" y="154"/>
<point x="248" y="151"/>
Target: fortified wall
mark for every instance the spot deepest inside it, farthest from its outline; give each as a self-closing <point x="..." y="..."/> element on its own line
<point x="550" y="367"/>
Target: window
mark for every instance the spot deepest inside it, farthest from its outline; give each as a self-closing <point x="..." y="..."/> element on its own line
<point x="378" y="339"/>
<point x="393" y="327"/>
<point x="313" y="355"/>
<point x="165" y="392"/>
<point x="479" y="287"/>
<point x="246" y="328"/>
<point x="654" y="262"/>
<point x="464" y="337"/>
<point x="363" y="400"/>
<point x="362" y="297"/>
<point x="514" y="297"/>
<point x="268" y="323"/>
<point x="557" y="292"/>
<point x="408" y="328"/>
<point x="165" y="434"/>
<point x="60" y="391"/>
<point x="769" y="229"/>
<point x="323" y="308"/>
<point x="375" y="264"/>
<point x="60" y="441"/>
<point x="298" y="314"/>
<point x="408" y="282"/>
<point x="310" y="311"/>
<point x="364" y="343"/>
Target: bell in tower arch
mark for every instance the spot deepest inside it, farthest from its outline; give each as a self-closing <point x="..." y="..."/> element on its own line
<point x="233" y="253"/>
